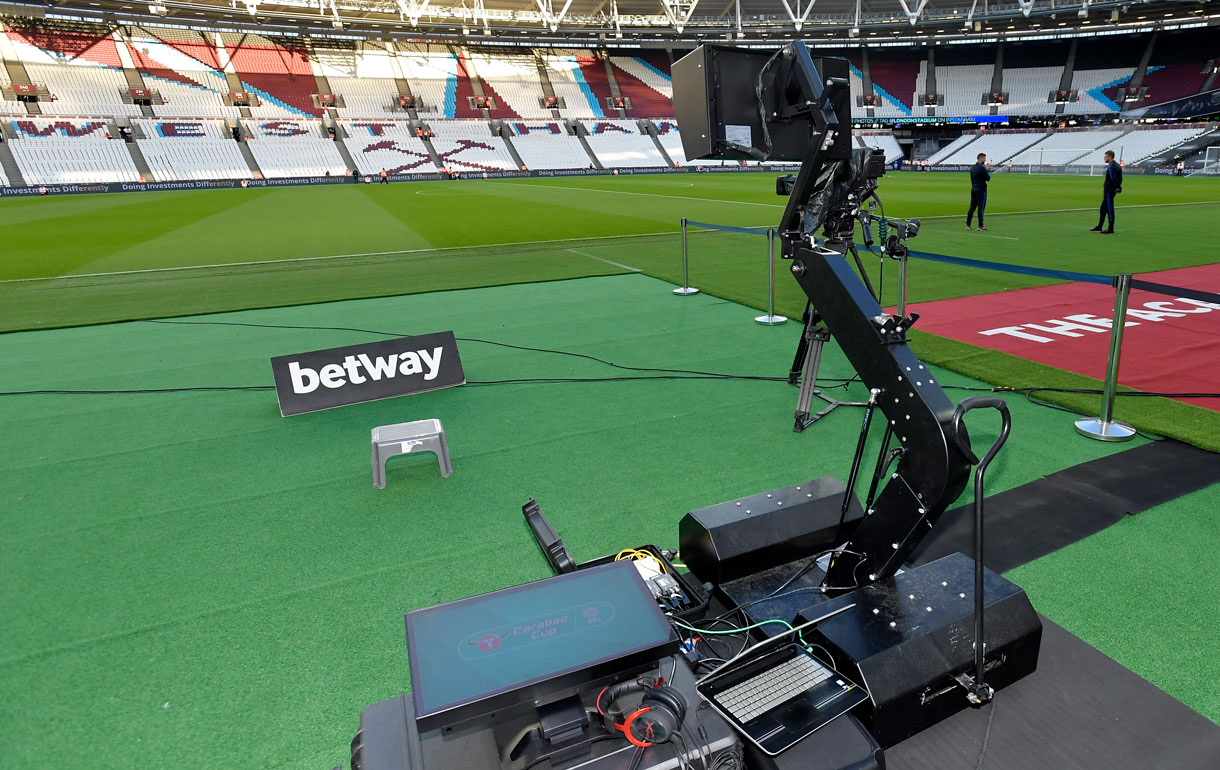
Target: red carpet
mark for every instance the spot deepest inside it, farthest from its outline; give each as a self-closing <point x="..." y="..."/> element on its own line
<point x="1170" y="344"/>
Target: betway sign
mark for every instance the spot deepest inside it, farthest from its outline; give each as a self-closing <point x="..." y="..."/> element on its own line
<point x="324" y="379"/>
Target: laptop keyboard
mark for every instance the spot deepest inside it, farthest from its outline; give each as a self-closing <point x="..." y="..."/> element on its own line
<point x="773" y="687"/>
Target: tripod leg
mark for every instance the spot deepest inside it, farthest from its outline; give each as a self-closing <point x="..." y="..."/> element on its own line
<point x="798" y="361"/>
<point x="816" y="337"/>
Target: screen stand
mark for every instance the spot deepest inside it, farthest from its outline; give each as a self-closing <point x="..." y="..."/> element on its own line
<point x="563" y="731"/>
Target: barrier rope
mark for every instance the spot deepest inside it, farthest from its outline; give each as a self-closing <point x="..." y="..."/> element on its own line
<point x="1176" y="291"/>
<point x="728" y="228"/>
<point x="1064" y="275"/>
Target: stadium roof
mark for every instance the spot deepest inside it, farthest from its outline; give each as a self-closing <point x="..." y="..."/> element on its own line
<point x="648" y="22"/>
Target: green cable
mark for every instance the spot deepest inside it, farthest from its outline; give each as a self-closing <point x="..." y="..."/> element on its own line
<point x="800" y="634"/>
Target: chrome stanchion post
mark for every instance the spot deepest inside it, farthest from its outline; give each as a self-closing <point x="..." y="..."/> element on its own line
<point x="1106" y="428"/>
<point x="771" y="319"/>
<point x="685" y="289"/>
<point x="902" y="286"/>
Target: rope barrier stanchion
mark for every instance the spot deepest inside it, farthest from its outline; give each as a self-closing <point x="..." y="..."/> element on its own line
<point x="685" y="290"/>
<point x="1105" y="427"/>
<point x="771" y="319"/>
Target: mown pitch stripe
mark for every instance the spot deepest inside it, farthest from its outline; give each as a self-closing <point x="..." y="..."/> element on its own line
<point x="607" y="261"/>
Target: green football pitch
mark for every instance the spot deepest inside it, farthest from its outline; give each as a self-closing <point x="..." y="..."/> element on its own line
<point x="79" y="260"/>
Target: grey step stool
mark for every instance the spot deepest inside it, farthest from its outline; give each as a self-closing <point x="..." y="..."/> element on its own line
<point x="407" y="437"/>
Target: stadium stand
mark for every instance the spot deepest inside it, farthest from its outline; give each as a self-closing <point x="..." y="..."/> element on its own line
<point x="547" y="145"/>
<point x="69" y="151"/>
<point x="468" y="75"/>
<point x="278" y="73"/>
<point x="642" y="80"/>
<point x="81" y="70"/>
<point x="883" y="140"/>
<point x="951" y="148"/>
<point x="363" y="75"/>
<point x="366" y="97"/>
<point x="187" y="87"/>
<point x="1178" y="66"/>
<point x="963" y="78"/>
<point x="1141" y="144"/>
<point x="1030" y="90"/>
<point x="999" y="146"/>
<point x="81" y="65"/>
<point x="593" y="70"/>
<point x="514" y="79"/>
<point x="671" y="140"/>
<point x="568" y="81"/>
<point x="1092" y="86"/>
<point x="190" y="149"/>
<point x="389" y="144"/>
<point x="433" y="78"/>
<point x="284" y="148"/>
<point x="895" y="82"/>
<point x="1065" y="146"/>
<point x="619" y="144"/>
<point x="468" y="145"/>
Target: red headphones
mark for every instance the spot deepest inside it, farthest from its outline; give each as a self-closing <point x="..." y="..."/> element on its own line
<point x="655" y="720"/>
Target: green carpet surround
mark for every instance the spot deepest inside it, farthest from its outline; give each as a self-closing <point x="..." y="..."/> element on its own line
<point x="103" y="258"/>
<point x="191" y="576"/>
<point x="1144" y="592"/>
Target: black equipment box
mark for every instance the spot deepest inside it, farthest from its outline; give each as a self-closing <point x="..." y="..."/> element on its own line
<point x="909" y="635"/>
<point x="388" y="738"/>
<point x="730" y="540"/>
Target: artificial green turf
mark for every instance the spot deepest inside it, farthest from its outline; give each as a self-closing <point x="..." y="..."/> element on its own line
<point x="192" y="579"/>
<point x="329" y="243"/>
<point x="1135" y="591"/>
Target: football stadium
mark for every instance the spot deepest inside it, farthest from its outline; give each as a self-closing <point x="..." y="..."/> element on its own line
<point x="827" y="385"/>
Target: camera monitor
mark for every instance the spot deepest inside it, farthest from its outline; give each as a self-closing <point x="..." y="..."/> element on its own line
<point x="532" y="642"/>
<point x="722" y="92"/>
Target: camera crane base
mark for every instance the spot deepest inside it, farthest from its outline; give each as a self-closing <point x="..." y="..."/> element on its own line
<point x="805" y="370"/>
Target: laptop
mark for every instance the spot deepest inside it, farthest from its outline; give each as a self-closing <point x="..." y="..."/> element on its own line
<point x="780" y="698"/>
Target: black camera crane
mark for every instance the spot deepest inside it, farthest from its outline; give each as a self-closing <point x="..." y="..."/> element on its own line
<point x="801" y="111"/>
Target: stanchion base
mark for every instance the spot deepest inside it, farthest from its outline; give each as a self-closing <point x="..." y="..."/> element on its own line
<point x="686" y="291"/>
<point x="771" y="320"/>
<point x="1093" y="427"/>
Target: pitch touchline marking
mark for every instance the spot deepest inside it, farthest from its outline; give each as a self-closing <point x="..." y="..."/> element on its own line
<point x="330" y="256"/>
<point x="607" y="261"/>
<point x="647" y="195"/>
<point x="979" y="235"/>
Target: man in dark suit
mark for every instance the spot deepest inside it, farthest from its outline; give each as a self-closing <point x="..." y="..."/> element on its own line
<point x="1112" y="185"/>
<point x="979" y="176"/>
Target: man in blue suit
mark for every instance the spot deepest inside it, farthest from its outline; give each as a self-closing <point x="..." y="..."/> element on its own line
<point x="1112" y="185"/>
<point x="979" y="177"/>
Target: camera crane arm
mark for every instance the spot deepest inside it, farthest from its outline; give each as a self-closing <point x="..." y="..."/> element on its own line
<point x="794" y="100"/>
<point x="932" y="470"/>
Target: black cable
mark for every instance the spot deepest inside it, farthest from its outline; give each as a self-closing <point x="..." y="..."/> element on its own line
<point x="496" y="343"/>
<point x="639" y="756"/>
<point x="987" y="733"/>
